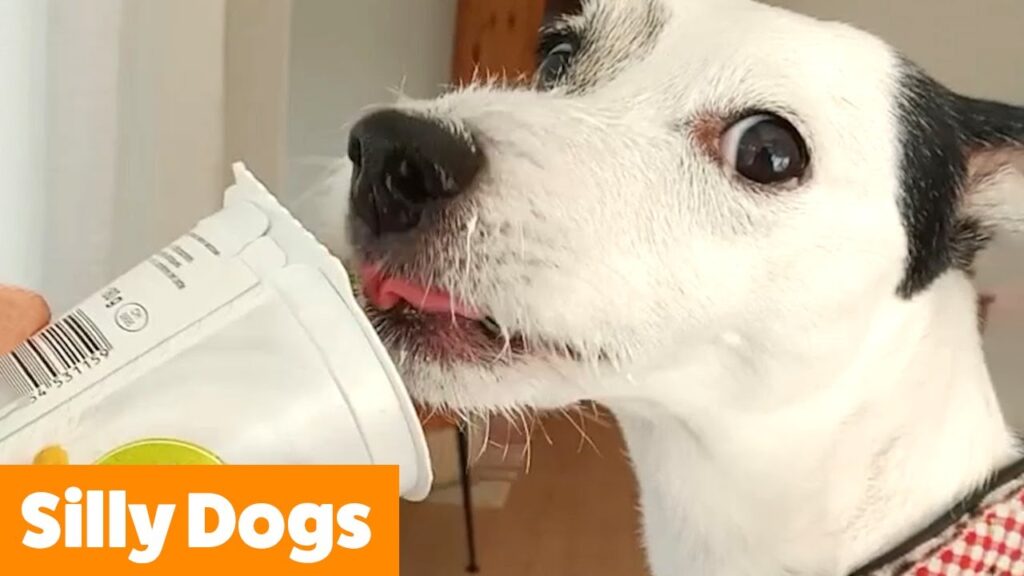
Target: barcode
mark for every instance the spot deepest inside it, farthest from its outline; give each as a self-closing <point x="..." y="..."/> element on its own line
<point x="52" y="358"/>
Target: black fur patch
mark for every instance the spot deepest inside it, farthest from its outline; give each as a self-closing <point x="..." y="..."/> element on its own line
<point x="970" y="236"/>
<point x="989" y="124"/>
<point x="940" y="130"/>
<point x="933" y="172"/>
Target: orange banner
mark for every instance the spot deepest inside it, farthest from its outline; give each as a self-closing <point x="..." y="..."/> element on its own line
<point x="176" y="520"/>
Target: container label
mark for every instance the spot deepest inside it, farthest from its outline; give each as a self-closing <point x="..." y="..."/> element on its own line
<point x="177" y="287"/>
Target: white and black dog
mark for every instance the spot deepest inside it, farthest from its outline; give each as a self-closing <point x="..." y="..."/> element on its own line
<point x="748" y="233"/>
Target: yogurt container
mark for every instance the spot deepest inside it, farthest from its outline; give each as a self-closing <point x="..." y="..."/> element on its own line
<point x="239" y="343"/>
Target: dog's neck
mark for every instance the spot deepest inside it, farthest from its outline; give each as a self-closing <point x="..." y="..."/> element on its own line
<point x="822" y="483"/>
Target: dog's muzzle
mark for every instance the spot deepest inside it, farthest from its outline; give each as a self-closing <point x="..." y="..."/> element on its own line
<point x="405" y="165"/>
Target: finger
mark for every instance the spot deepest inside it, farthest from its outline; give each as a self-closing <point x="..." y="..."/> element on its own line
<point x="22" y="314"/>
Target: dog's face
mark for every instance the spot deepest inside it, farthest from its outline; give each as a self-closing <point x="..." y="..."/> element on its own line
<point x="709" y="189"/>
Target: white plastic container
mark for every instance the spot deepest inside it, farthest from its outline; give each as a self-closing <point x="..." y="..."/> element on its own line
<point x="240" y="343"/>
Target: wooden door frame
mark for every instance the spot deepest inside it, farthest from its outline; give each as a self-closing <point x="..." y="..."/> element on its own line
<point x="496" y="37"/>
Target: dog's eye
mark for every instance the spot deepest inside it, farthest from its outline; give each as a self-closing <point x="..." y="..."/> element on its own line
<point x="555" y="64"/>
<point x="766" y="149"/>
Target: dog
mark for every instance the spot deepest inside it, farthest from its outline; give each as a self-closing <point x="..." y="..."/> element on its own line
<point x="748" y="233"/>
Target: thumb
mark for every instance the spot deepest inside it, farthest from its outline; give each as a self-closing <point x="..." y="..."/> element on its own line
<point x="22" y="314"/>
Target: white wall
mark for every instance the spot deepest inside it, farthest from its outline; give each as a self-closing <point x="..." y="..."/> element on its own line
<point x="975" y="48"/>
<point x="119" y="133"/>
<point x="22" y="139"/>
<point x="112" y="123"/>
<point x="972" y="46"/>
<point x="347" y="55"/>
<point x="147" y="139"/>
<point x="171" y="113"/>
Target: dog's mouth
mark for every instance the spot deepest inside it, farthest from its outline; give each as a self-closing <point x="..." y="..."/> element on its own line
<point x="433" y="325"/>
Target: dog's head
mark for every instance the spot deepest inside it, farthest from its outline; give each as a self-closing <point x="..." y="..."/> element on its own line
<point x="708" y="188"/>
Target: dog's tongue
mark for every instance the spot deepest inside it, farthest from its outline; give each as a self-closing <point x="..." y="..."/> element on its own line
<point x="386" y="292"/>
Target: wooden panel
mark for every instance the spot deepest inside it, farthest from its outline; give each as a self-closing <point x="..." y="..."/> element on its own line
<point x="574" y="514"/>
<point x="496" y="36"/>
<point x="556" y="7"/>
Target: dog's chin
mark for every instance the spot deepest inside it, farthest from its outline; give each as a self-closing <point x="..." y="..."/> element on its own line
<point x="445" y="339"/>
<point x="450" y="362"/>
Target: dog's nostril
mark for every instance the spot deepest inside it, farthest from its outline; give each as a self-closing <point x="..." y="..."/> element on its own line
<point x="406" y="179"/>
<point x="355" y="152"/>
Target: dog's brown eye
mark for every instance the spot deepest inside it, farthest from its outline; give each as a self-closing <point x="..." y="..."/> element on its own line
<point x="766" y="149"/>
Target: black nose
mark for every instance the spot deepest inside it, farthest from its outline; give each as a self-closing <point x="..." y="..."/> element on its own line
<point x="405" y="165"/>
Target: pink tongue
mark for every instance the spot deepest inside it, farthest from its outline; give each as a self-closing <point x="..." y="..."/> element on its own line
<point x="387" y="292"/>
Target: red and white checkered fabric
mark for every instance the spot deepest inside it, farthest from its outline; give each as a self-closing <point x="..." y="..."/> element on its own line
<point x="991" y="545"/>
<point x="988" y="540"/>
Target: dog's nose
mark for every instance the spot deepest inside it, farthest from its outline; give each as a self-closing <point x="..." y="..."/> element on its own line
<point x="404" y="164"/>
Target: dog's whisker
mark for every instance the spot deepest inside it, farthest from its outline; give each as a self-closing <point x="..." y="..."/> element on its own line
<point x="528" y="447"/>
<point x="527" y="457"/>
<point x="526" y="417"/>
<point x="584" y="437"/>
<point x="471" y="227"/>
<point x="508" y="440"/>
<point x="426" y="293"/>
<point x="509" y="415"/>
<point x="544" y="431"/>
<point x="432" y="413"/>
<point x="452" y="308"/>
<point x="597" y="419"/>
<point x="487" y="438"/>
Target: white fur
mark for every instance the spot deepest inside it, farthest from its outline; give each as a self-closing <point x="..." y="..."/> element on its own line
<point x="785" y="410"/>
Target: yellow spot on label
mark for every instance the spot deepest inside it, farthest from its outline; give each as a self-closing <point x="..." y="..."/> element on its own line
<point x="51" y="456"/>
<point x="159" y="452"/>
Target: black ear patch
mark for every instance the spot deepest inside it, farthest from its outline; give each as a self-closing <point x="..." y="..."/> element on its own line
<point x="933" y="171"/>
<point x="939" y="132"/>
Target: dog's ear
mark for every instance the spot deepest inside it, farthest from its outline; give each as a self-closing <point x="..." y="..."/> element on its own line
<point x="993" y="140"/>
<point x="962" y="176"/>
